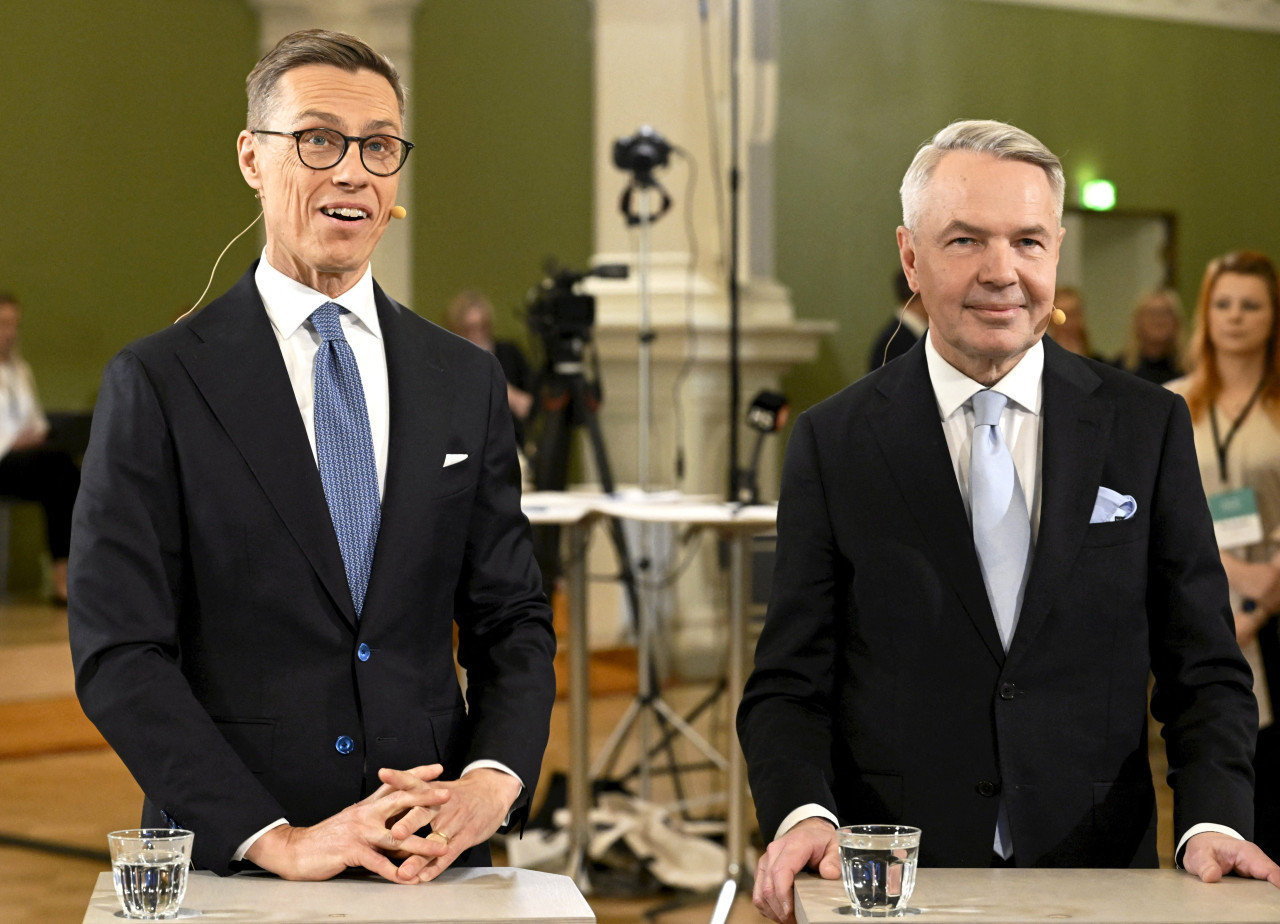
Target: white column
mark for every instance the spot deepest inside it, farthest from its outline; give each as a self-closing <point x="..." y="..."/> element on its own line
<point x="386" y="25"/>
<point x="649" y="70"/>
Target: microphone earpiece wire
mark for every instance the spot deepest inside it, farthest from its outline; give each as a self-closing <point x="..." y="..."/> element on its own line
<point x="215" y="266"/>
<point x="901" y="312"/>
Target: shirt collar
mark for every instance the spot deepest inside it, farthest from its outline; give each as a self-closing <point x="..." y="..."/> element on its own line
<point x="289" y="303"/>
<point x="953" y="389"/>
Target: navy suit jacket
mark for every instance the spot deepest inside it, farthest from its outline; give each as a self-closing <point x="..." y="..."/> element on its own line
<point x="213" y="633"/>
<point x="881" y="690"/>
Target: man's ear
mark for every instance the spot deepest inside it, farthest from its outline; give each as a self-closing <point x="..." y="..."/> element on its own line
<point x="907" y="254"/>
<point x="247" y="155"/>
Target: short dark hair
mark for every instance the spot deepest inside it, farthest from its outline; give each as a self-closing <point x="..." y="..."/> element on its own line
<point x="8" y="298"/>
<point x="313" y="46"/>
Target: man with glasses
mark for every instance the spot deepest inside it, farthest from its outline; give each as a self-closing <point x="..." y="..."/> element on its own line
<point x="290" y="499"/>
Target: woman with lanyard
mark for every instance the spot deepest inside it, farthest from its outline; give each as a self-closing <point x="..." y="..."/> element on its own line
<point x="1233" y="392"/>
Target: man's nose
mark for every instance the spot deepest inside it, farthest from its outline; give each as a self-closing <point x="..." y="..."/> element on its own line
<point x="350" y="169"/>
<point x="997" y="265"/>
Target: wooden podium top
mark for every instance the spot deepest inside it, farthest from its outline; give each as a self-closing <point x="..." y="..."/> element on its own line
<point x="459" y="896"/>
<point x="996" y="896"/>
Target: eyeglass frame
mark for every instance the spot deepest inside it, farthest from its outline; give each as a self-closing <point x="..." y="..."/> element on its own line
<point x="346" y="145"/>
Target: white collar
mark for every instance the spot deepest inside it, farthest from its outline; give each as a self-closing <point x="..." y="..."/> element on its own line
<point x="289" y="303"/>
<point x="953" y="389"/>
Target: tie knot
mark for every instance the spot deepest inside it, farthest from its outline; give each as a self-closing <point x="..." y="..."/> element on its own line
<point x="325" y="320"/>
<point x="987" y="406"/>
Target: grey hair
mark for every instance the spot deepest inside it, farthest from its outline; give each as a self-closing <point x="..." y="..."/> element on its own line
<point x="985" y="136"/>
<point x="312" y="46"/>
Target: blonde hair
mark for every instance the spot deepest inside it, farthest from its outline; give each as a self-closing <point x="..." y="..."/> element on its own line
<point x="463" y="302"/>
<point x="1169" y="298"/>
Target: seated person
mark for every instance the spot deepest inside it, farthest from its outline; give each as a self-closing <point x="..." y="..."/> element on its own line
<point x="30" y="469"/>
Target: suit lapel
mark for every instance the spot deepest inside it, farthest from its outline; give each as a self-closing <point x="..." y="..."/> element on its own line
<point x="238" y="370"/>
<point x="1075" y="429"/>
<point x="418" y="396"/>
<point x="909" y="433"/>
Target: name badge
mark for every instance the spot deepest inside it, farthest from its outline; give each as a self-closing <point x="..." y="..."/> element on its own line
<point x="1236" y="522"/>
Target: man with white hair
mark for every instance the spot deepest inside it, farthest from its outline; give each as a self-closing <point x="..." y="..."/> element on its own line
<point x="984" y="549"/>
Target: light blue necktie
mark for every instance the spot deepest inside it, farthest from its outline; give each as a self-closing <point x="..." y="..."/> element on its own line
<point x="1002" y="534"/>
<point x="344" y="448"/>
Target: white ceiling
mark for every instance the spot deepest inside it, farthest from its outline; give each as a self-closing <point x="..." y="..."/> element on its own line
<point x="1257" y="15"/>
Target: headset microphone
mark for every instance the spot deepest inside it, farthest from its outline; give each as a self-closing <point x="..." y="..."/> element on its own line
<point x="1058" y="316"/>
<point x="398" y="211"/>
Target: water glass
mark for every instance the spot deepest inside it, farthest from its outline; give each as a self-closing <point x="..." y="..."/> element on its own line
<point x="149" y="866"/>
<point x="878" y="864"/>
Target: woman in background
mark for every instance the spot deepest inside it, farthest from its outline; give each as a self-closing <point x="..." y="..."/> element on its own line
<point x="1155" y="340"/>
<point x="1233" y="392"/>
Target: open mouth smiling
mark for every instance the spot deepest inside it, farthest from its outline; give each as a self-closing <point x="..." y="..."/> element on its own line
<point x="346" y="214"/>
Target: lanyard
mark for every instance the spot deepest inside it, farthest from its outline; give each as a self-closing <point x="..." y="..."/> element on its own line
<point x="1222" y="445"/>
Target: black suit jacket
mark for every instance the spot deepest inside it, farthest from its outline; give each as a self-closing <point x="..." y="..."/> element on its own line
<point x="881" y="690"/>
<point x="212" y="629"/>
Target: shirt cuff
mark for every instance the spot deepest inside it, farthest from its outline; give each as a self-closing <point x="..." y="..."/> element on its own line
<point x="1201" y="829"/>
<point x="253" y="839"/>
<point x="811" y="810"/>
<point x="496" y="765"/>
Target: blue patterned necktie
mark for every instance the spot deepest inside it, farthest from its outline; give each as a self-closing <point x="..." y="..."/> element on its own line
<point x="1002" y="534"/>
<point x="344" y="448"/>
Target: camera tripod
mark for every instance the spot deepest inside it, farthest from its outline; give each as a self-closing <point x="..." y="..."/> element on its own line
<point x="568" y="401"/>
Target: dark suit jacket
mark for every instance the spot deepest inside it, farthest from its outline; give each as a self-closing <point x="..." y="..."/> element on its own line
<point x="881" y="690"/>
<point x="213" y="633"/>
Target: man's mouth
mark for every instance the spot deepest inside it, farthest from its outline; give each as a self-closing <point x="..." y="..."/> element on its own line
<point x="346" y="214"/>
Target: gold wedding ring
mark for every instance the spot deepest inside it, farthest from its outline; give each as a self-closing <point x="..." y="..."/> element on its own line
<point x="439" y="835"/>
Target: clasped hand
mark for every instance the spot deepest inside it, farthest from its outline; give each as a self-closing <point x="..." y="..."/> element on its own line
<point x="381" y="827"/>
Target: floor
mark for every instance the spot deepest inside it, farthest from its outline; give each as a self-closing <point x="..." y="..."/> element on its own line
<point x="62" y="789"/>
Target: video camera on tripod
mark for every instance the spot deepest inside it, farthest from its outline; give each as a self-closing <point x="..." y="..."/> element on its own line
<point x="562" y="317"/>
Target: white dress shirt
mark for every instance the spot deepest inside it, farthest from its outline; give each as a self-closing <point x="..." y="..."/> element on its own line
<point x="289" y="306"/>
<point x="1020" y="424"/>
<point x="19" y="407"/>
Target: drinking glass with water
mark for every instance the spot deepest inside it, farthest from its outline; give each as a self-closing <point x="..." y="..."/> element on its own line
<point x="878" y="864"/>
<point x="149" y="866"/>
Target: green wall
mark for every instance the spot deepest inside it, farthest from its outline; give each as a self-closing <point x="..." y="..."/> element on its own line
<point x="123" y="187"/>
<point x="1181" y="117"/>
<point x="120" y="123"/>
<point x="502" y="119"/>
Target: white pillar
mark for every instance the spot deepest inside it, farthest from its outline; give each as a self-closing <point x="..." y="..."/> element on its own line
<point x="386" y="25"/>
<point x="649" y="70"/>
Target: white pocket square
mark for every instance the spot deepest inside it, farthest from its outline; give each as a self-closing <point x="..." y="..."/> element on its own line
<point x="1112" y="505"/>
<point x="453" y="458"/>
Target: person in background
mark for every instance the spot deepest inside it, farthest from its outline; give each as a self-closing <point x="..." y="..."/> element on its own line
<point x="900" y="332"/>
<point x="1156" y="339"/>
<point x="29" y="468"/>
<point x="470" y="315"/>
<point x="1073" y="333"/>
<point x="1233" y="391"/>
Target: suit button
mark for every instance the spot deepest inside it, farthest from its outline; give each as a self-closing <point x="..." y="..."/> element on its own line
<point x="987" y="789"/>
<point x="363" y="652"/>
<point x="1008" y="691"/>
<point x="344" y="744"/>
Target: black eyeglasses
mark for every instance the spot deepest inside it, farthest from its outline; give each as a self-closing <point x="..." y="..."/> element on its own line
<point x="322" y="148"/>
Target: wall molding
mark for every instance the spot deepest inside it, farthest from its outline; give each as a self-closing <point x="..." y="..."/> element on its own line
<point x="1252" y="15"/>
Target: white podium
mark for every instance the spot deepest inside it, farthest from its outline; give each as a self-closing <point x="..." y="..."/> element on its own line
<point x="478" y="895"/>
<point x="1004" y="896"/>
